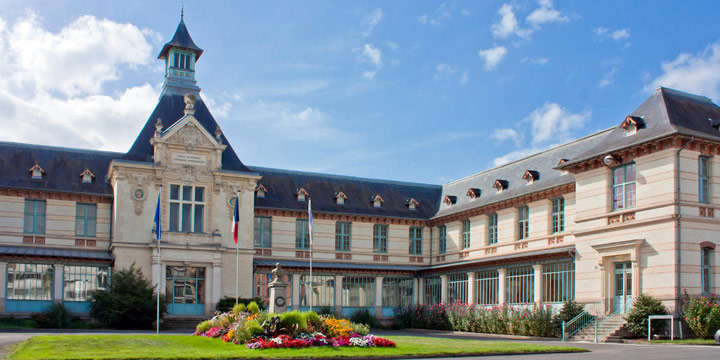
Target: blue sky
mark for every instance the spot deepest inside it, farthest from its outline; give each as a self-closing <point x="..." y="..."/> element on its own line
<point x="423" y="91"/>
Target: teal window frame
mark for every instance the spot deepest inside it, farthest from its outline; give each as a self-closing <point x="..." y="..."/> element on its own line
<point x="190" y="280"/>
<point x="380" y="238"/>
<point x="343" y="232"/>
<point x="85" y="220"/>
<point x="262" y="237"/>
<point x="466" y="234"/>
<point x="492" y="229"/>
<point x="35" y="216"/>
<point x="302" y="234"/>
<point x="558" y="215"/>
<point x="704" y="179"/>
<point x="706" y="270"/>
<point x="38" y="281"/>
<point x="624" y="187"/>
<point x="80" y="281"/>
<point x="442" y="239"/>
<point x="415" y="235"/>
<point x="523" y="222"/>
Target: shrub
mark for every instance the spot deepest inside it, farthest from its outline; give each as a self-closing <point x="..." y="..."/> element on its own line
<point x="253" y="328"/>
<point x="326" y="310"/>
<point x="702" y="315"/>
<point x="313" y="319"/>
<point x="293" y="320"/>
<point x="57" y="316"/>
<point x="226" y="304"/>
<point x="238" y="308"/>
<point x="361" y="329"/>
<point x="129" y="302"/>
<point x="203" y="327"/>
<point x="637" y="319"/>
<point x="363" y="316"/>
<point x="569" y="311"/>
<point x="253" y="308"/>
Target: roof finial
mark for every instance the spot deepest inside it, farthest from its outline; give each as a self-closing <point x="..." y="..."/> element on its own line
<point x="182" y="12"/>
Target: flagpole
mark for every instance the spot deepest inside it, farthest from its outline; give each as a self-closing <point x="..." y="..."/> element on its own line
<point x="158" y="235"/>
<point x="237" y="252"/>
<point x="310" y="229"/>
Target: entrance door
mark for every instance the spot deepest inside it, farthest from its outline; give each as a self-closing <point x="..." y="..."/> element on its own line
<point x="623" y="286"/>
<point x="185" y="290"/>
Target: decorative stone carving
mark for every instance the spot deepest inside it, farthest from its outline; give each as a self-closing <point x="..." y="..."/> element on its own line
<point x="137" y="194"/>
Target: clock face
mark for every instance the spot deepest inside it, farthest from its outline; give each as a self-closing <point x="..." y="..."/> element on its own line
<point x="280" y="301"/>
<point x="138" y="194"/>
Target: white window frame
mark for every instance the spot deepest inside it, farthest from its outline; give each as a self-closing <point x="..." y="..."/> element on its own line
<point x="193" y="204"/>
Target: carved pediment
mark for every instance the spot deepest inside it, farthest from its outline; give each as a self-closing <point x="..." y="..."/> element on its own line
<point x="191" y="137"/>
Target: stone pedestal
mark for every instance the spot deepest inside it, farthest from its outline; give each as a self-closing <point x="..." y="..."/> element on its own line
<point x="278" y="302"/>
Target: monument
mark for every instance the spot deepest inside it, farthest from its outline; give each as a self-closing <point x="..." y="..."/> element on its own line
<point x="278" y="302"/>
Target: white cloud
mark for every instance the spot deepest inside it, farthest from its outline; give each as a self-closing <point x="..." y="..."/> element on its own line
<point x="503" y="134"/>
<point x="535" y="60"/>
<point x="443" y="71"/>
<point x="371" y="20"/>
<point x="546" y="14"/>
<point x="392" y="45"/>
<point x="608" y="77"/>
<point x="464" y="12"/>
<point x="696" y="73"/>
<point x="492" y="56"/>
<point x="51" y="83"/>
<point x="515" y="155"/>
<point x="508" y="24"/>
<point x="372" y="56"/>
<point x="442" y="13"/>
<point x="618" y="35"/>
<point x="551" y="122"/>
<point x="621" y="34"/>
<point x="465" y="78"/>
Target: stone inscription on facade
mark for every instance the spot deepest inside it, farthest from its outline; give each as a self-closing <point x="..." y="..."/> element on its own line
<point x="188" y="159"/>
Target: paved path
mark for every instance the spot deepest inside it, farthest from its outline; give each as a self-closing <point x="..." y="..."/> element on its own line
<point x="597" y="351"/>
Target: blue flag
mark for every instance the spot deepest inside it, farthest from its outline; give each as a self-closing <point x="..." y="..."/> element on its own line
<point x="158" y="232"/>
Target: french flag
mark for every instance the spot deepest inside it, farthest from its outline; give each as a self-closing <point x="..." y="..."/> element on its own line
<point x="236" y="218"/>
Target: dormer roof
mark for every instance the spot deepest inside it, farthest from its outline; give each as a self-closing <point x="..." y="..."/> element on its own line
<point x="181" y="39"/>
<point x="631" y="121"/>
<point x="450" y="200"/>
<point x="340" y="194"/>
<point x="473" y="193"/>
<point x="531" y="175"/>
<point x="500" y="184"/>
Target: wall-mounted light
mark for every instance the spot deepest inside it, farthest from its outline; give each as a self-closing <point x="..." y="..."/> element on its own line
<point x="610" y="160"/>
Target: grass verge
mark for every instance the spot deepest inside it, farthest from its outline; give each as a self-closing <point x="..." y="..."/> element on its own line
<point x="686" y="342"/>
<point x="195" y="347"/>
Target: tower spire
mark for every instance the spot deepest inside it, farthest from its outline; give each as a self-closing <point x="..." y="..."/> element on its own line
<point x="182" y="12"/>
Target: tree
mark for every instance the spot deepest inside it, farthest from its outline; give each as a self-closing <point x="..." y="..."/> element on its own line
<point x="644" y="306"/>
<point x="569" y="311"/>
<point x="129" y="302"/>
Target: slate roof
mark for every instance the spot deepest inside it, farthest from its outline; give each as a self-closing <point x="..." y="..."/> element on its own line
<point x="52" y="252"/>
<point x="62" y="168"/>
<point x="181" y="39"/>
<point x="282" y="186"/>
<point x="170" y="109"/>
<point x="666" y="112"/>
<point x="543" y="162"/>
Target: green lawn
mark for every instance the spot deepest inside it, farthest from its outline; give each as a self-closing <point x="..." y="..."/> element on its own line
<point x="687" y="342"/>
<point x="195" y="347"/>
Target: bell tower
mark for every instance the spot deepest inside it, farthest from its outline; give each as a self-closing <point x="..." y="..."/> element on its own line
<point x="180" y="55"/>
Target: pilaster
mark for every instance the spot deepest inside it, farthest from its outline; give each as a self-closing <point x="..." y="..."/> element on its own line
<point x="538" y="283"/>
<point x="443" y="288"/>
<point x="501" y="286"/>
<point x="296" y="291"/>
<point x="472" y="295"/>
<point x="58" y="283"/>
<point x="338" y="294"/>
<point x="378" y="296"/>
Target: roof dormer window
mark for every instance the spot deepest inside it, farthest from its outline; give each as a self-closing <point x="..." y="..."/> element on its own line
<point x="413" y="204"/>
<point x="87" y="176"/>
<point x="301" y="194"/>
<point x="36" y="172"/>
<point x="500" y="185"/>
<point x="473" y="193"/>
<point x="340" y="198"/>
<point x="531" y="175"/>
<point x="183" y="61"/>
<point x="715" y="123"/>
<point x="260" y="191"/>
<point x="560" y="163"/>
<point x="450" y="200"/>
<point x="377" y="201"/>
<point x="631" y="124"/>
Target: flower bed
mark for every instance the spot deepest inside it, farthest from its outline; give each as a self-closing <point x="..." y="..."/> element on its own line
<point x="261" y="330"/>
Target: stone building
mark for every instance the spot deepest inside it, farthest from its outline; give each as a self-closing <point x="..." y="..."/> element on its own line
<point x="626" y="210"/>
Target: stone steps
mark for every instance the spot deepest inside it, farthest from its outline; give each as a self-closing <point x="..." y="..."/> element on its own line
<point x="181" y="323"/>
<point x="608" y="331"/>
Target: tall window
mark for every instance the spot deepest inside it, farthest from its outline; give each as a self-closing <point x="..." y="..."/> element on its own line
<point x="558" y="282"/>
<point x="187" y="207"/>
<point x="520" y="285"/>
<point x="457" y="288"/>
<point x="81" y="281"/>
<point x="302" y="234"/>
<point x="416" y="240"/>
<point x="466" y="234"/>
<point x="492" y="229"/>
<point x="487" y="287"/>
<point x="623" y="187"/>
<point x="397" y="292"/>
<point x="34" y="222"/>
<point x="182" y="61"/>
<point x="442" y="236"/>
<point x="704" y="179"/>
<point x="433" y="290"/>
<point x="705" y="270"/>
<point x="523" y="222"/>
<point x="342" y="236"/>
<point x="558" y="215"/>
<point x="322" y="290"/>
<point x="85" y="219"/>
<point x="358" y="291"/>
<point x="30" y="281"/>
<point x="380" y="234"/>
<point x="262" y="237"/>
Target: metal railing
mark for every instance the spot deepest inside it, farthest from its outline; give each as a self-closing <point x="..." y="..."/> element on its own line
<point x="598" y="324"/>
<point x="589" y="313"/>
